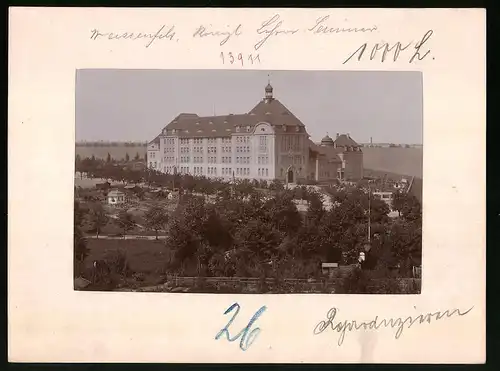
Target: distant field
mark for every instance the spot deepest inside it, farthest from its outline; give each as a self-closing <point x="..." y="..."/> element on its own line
<point x="116" y="152"/>
<point x="404" y="161"/>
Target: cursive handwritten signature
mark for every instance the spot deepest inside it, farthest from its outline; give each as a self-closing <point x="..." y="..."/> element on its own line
<point x="202" y="31"/>
<point x="376" y="323"/>
<point x="272" y="27"/>
<point x="247" y="338"/>
<point x="160" y="34"/>
<point x="322" y="28"/>
<point x="396" y="48"/>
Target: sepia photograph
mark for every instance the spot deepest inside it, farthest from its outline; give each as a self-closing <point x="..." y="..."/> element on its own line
<point x="248" y="182"/>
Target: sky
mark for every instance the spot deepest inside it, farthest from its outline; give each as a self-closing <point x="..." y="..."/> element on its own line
<point x="135" y="105"/>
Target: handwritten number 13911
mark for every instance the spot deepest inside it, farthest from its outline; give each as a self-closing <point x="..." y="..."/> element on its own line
<point x="246" y="338"/>
<point x="230" y="57"/>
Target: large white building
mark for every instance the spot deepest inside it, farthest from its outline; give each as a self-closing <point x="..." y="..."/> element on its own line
<point x="268" y="142"/>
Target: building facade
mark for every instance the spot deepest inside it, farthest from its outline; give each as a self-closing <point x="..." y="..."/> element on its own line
<point x="268" y="143"/>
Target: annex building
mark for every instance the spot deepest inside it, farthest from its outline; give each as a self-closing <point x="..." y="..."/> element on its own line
<point x="268" y="142"/>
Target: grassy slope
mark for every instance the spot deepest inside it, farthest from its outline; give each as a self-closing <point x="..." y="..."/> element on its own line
<point x="143" y="256"/>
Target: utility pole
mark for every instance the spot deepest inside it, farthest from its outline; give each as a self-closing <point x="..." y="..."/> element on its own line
<point x="369" y="213"/>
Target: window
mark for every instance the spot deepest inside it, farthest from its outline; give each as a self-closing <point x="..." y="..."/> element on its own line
<point x="267" y="172"/>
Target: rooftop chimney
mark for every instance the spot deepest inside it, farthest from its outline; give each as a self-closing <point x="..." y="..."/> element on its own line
<point x="338" y="135"/>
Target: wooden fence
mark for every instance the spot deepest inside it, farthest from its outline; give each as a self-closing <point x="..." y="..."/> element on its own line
<point x="404" y="285"/>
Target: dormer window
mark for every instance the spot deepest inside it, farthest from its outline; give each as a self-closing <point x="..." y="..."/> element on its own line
<point x="197" y="123"/>
<point x="174" y="131"/>
<point x="248" y="128"/>
<point x="213" y="130"/>
<point x="210" y="123"/>
<point x="200" y="131"/>
<point x="284" y="127"/>
<point x="237" y="129"/>
<point x="268" y="113"/>
<point x="228" y="129"/>
<point x="297" y="128"/>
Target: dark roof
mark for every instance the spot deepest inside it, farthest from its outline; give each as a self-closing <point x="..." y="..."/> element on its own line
<point x="272" y="112"/>
<point x="327" y="140"/>
<point x="345" y="140"/>
<point x="330" y="153"/>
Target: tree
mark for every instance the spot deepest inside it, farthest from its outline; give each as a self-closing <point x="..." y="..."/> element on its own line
<point x="127" y="157"/>
<point x="398" y="200"/>
<point x="80" y="249"/>
<point x="98" y="218"/>
<point x="156" y="218"/>
<point x="108" y="159"/>
<point x="125" y="222"/>
<point x="411" y="209"/>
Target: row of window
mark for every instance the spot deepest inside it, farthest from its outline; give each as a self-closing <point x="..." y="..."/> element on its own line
<point x="263" y="172"/>
<point x="238" y="129"/>
<point x="168" y="149"/>
<point x="212" y="149"/>
<point x="296" y="160"/>
<point x="243" y="160"/>
<point x="212" y="171"/>
<point x="244" y="139"/>
<point x="227" y="171"/>
<point x="225" y="140"/>
<point x="263" y="159"/>
<point x="226" y="149"/>
<point x="291" y="142"/>
<point x="244" y="149"/>
<point x="242" y="171"/>
<point x="213" y="159"/>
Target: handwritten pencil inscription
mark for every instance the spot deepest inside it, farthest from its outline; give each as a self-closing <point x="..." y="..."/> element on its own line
<point x="376" y="323"/>
<point x="380" y="51"/>
<point x="247" y="336"/>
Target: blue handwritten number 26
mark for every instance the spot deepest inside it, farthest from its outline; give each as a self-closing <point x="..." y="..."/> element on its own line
<point x="246" y="338"/>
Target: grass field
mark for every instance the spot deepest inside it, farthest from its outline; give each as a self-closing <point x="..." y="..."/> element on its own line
<point x="403" y="161"/>
<point x="142" y="255"/>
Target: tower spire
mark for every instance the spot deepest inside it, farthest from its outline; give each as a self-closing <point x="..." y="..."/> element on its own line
<point x="268" y="90"/>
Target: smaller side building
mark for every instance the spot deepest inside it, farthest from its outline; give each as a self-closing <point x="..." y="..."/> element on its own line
<point x="116" y="197"/>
